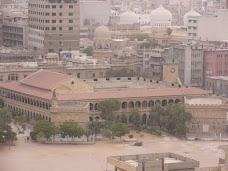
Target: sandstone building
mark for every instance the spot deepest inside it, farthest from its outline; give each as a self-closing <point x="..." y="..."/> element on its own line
<point x="58" y="97"/>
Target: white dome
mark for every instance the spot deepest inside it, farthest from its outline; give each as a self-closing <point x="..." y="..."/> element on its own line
<point x="128" y="17"/>
<point x="191" y="13"/>
<point x="102" y="32"/>
<point x="160" y="17"/>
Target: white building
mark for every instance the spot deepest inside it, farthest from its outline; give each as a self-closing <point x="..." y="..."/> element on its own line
<point x="128" y="18"/>
<point x="191" y="24"/>
<point x="213" y="27"/>
<point x="160" y="17"/>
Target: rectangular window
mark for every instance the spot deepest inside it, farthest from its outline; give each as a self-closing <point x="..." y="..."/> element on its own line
<point x="60" y="28"/>
<point x="53" y="14"/>
<point x="53" y="28"/>
<point x="53" y="6"/>
<point x="70" y="21"/>
<point x="60" y="14"/>
<point x="70" y="28"/>
<point x="78" y="75"/>
<point x="53" y="21"/>
<point x="70" y="14"/>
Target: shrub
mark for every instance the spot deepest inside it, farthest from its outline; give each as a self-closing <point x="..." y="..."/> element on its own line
<point x="140" y="143"/>
<point x="130" y="136"/>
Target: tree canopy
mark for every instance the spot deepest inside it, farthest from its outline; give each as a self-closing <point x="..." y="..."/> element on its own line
<point x="172" y="118"/>
<point x="72" y="129"/>
<point x="119" y="129"/>
<point x="124" y="72"/>
<point x="88" y="51"/>
<point x="107" y="108"/>
<point x="6" y="133"/>
<point x="136" y="118"/>
<point x="44" y="127"/>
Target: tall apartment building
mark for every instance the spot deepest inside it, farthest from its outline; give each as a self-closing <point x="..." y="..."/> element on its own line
<point x="190" y="58"/>
<point x="15" y="29"/>
<point x="54" y="25"/>
<point x="216" y="62"/>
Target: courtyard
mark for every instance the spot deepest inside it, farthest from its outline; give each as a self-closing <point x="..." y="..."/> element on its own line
<point x="40" y="157"/>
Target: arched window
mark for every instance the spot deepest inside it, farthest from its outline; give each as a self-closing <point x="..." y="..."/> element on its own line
<point x="151" y="103"/>
<point x="170" y="101"/>
<point x="138" y="104"/>
<point x="124" y="105"/>
<point x="131" y="105"/>
<point x="164" y="102"/>
<point x="144" y="104"/>
<point x="130" y="118"/>
<point x="90" y="119"/>
<point x="177" y="101"/>
<point x="97" y="118"/>
<point x="47" y="106"/>
<point x="90" y="106"/>
<point x="95" y="107"/>
<point x="144" y="119"/>
<point x="158" y="102"/>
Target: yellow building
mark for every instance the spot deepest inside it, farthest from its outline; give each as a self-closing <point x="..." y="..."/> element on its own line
<point x="57" y="97"/>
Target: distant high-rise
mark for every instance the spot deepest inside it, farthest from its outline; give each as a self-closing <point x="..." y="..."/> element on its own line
<point x="54" y="25"/>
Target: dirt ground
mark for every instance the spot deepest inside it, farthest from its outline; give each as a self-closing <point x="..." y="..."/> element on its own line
<point x="38" y="157"/>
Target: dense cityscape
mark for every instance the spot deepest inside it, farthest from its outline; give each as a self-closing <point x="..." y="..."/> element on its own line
<point x="113" y="85"/>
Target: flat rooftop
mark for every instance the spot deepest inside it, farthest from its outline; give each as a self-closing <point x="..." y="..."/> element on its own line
<point x="204" y="101"/>
<point x="128" y="83"/>
<point x="137" y="162"/>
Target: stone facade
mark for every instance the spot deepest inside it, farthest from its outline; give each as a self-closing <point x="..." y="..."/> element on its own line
<point x="55" y="96"/>
<point x="154" y="161"/>
<point x="208" y="115"/>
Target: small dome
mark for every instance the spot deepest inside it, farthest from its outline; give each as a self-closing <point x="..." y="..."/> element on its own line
<point x="191" y="13"/>
<point x="160" y="16"/>
<point x="128" y="17"/>
<point x="102" y="32"/>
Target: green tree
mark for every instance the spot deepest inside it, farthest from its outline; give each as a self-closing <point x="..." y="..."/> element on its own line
<point x="123" y="118"/>
<point x="151" y="43"/>
<point x="157" y="114"/>
<point x="119" y="130"/>
<point x="95" y="127"/>
<point x="72" y="129"/>
<point x="88" y="51"/>
<point x="2" y="103"/>
<point x="136" y="118"/>
<point x="44" y="127"/>
<point x="123" y="72"/>
<point x="6" y="133"/>
<point x="176" y="118"/>
<point x="20" y="122"/>
<point x="107" y="108"/>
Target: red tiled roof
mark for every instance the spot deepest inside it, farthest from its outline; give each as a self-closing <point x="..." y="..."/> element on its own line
<point x="145" y="93"/>
<point x="44" y="79"/>
<point x="24" y="89"/>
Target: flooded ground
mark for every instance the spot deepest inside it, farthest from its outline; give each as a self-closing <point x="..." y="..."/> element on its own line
<point x="39" y="157"/>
